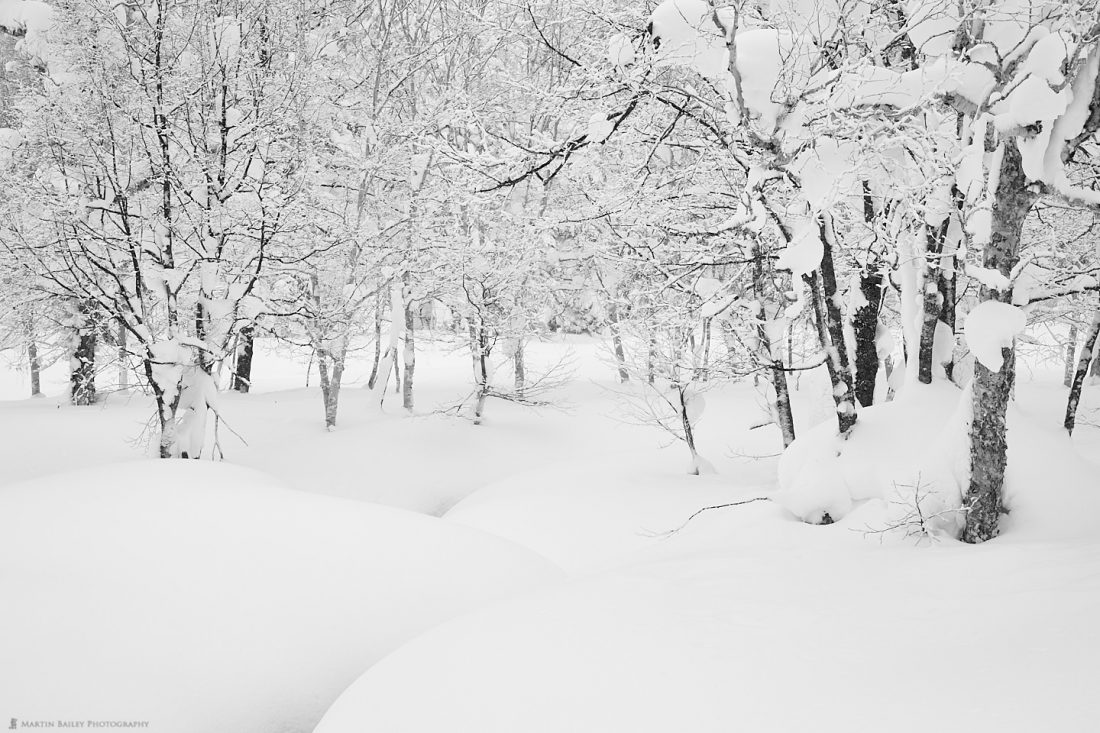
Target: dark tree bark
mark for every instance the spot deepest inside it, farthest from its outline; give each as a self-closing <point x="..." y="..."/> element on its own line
<point x="933" y="301"/>
<point x="830" y="330"/>
<point x="783" y="413"/>
<point x="865" y="326"/>
<point x="1079" y="374"/>
<point x="984" y="500"/>
<point x="947" y="285"/>
<point x="242" y="375"/>
<point x="166" y="410"/>
<point x="939" y="292"/>
<point x="689" y="429"/>
<point x="82" y="377"/>
<point x="865" y="319"/>
<point x="769" y="351"/>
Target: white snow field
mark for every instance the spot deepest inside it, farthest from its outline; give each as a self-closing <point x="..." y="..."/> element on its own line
<point x="746" y="619"/>
<point x="209" y="598"/>
<point x="753" y="622"/>
<point x="206" y="597"/>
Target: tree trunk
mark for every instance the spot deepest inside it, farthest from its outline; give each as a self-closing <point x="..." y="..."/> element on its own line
<point x="865" y="319"/>
<point x="396" y="374"/>
<point x="167" y="419"/>
<point x="377" y="342"/>
<point x="947" y="285"/>
<point x="770" y="353"/>
<point x="478" y="346"/>
<point x="689" y="433"/>
<point x="865" y="327"/>
<point x="1071" y="352"/>
<point x="520" y="368"/>
<point x="1078" y="380"/>
<point x="888" y="367"/>
<point x="651" y="359"/>
<point x="390" y="356"/>
<point x="475" y="349"/>
<point x="933" y="300"/>
<point x="35" y="368"/>
<point x="409" y="353"/>
<point x="330" y="368"/>
<point x="617" y="343"/>
<point x="326" y="385"/>
<point x="123" y="357"/>
<point x="984" y="500"/>
<point x="930" y="316"/>
<point x="82" y="377"/>
<point x="33" y="363"/>
<point x="702" y="370"/>
<point x="242" y="375"/>
<point x="166" y="410"/>
<point x="783" y="413"/>
<point x="830" y="331"/>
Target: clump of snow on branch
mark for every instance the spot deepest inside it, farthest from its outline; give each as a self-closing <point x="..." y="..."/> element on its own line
<point x="803" y="255"/>
<point x="599" y="127"/>
<point x="687" y="36"/>
<point x="990" y="327"/>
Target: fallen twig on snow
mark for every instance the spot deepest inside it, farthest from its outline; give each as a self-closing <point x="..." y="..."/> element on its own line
<point x="671" y="532"/>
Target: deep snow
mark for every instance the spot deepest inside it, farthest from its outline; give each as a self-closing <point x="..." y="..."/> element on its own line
<point x="232" y="603"/>
<point x="205" y="597"/>
<point x="753" y="622"/>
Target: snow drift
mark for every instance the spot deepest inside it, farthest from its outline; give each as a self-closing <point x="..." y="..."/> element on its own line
<point x="202" y="597"/>
<point x="752" y="623"/>
<point x="913" y="453"/>
<point x="593" y="515"/>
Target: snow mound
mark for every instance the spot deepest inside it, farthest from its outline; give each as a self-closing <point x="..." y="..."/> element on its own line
<point x="594" y="515"/>
<point x="204" y="597"/>
<point x="763" y="639"/>
<point x="892" y="444"/>
<point x="913" y="454"/>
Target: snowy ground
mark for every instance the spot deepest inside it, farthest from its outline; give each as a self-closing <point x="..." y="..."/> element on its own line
<point x="204" y="597"/>
<point x="210" y="598"/>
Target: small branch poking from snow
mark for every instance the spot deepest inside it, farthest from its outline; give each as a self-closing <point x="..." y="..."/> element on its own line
<point x="671" y="532"/>
<point x="219" y="420"/>
<point x="915" y="520"/>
